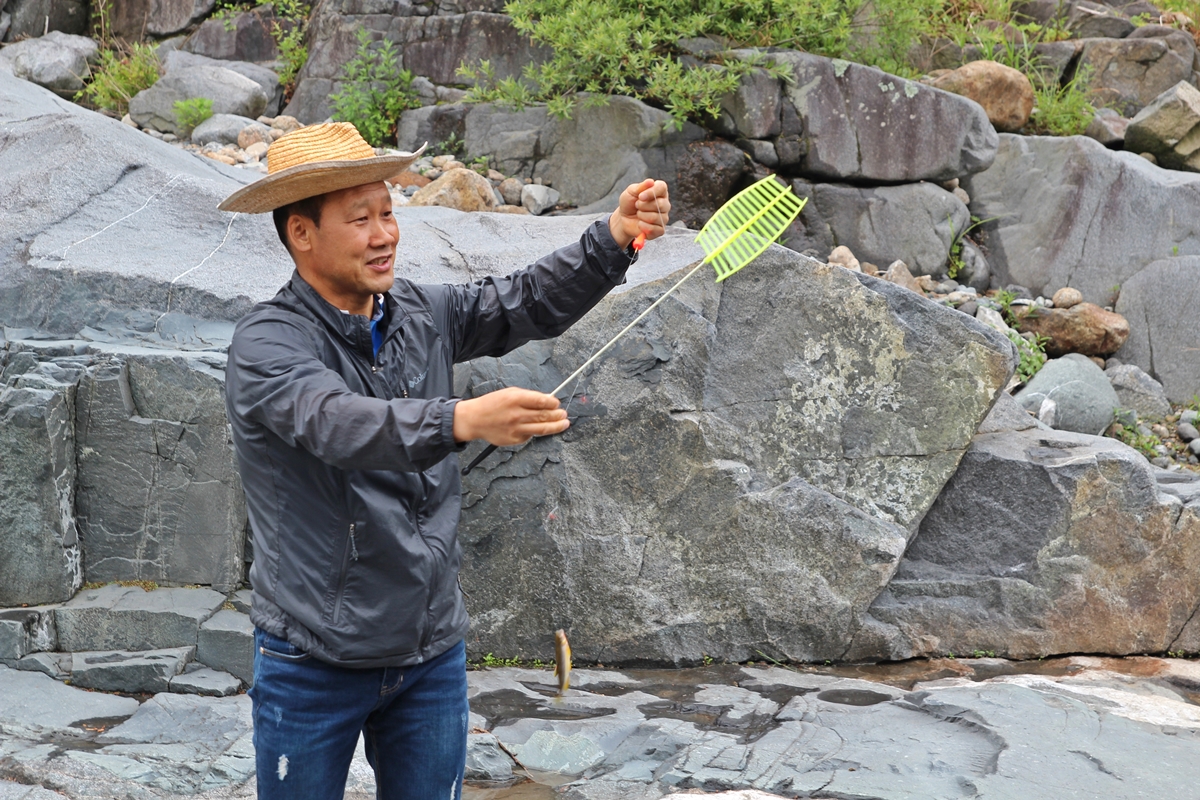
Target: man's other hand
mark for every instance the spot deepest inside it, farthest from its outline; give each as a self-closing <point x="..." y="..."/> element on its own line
<point x="644" y="208"/>
<point x="508" y="416"/>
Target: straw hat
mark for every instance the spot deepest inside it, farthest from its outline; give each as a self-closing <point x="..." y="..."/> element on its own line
<point x="312" y="161"/>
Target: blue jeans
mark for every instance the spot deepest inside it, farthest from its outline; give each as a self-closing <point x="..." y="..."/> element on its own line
<point x="308" y="715"/>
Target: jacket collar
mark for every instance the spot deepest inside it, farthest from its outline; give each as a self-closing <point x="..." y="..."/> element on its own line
<point x="354" y="329"/>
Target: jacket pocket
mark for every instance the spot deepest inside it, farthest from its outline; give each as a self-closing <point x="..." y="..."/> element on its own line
<point x="333" y="611"/>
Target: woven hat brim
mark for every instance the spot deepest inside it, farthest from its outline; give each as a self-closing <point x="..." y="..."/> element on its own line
<point x="309" y="180"/>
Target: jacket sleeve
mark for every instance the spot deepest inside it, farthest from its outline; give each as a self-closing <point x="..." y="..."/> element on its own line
<point x="274" y="378"/>
<point x="496" y="315"/>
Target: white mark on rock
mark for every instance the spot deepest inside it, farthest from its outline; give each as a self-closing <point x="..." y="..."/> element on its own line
<point x="122" y="219"/>
<point x="910" y="89"/>
<point x="282" y="770"/>
<point x="840" y="66"/>
<point x="186" y="272"/>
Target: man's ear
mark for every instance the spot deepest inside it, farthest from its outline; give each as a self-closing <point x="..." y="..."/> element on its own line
<point x="300" y="233"/>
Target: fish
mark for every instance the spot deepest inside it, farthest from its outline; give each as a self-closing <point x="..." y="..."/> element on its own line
<point x="562" y="661"/>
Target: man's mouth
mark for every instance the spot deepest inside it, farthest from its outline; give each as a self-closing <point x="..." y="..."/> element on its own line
<point x="380" y="264"/>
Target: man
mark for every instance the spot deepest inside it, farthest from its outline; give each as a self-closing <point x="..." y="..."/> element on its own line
<point x="339" y="396"/>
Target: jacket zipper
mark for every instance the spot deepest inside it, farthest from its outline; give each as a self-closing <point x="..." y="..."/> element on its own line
<point x="341" y="586"/>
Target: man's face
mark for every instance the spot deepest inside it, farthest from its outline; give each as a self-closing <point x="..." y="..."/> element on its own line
<point x="351" y="256"/>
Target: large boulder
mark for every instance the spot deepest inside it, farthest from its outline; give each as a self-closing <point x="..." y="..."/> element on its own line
<point x="33" y="18"/>
<point x="589" y="158"/>
<point x="1139" y="392"/>
<point x="1083" y="328"/>
<point x="1068" y="211"/>
<point x="133" y="19"/>
<point x="862" y="124"/>
<point x="38" y="536"/>
<point x="1005" y="93"/>
<point x="1043" y="542"/>
<point x="264" y="76"/>
<point x="244" y="37"/>
<point x="59" y="61"/>
<point x="1162" y="299"/>
<point x="708" y="174"/>
<point x="916" y="223"/>
<point x="189" y="77"/>
<point x="460" y="188"/>
<point x="1127" y="74"/>
<point x="786" y="446"/>
<point x="1163" y="128"/>
<point x="159" y="496"/>
<point x="1071" y="394"/>
<point x="431" y="45"/>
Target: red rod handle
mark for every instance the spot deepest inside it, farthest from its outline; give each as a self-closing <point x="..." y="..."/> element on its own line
<point x="639" y="242"/>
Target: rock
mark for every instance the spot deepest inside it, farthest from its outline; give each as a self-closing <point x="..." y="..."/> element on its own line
<point x="220" y="128"/>
<point x="843" y="257"/>
<point x="230" y="92"/>
<point x="432" y="124"/>
<point x="1083" y="328"/>
<point x="58" y="61"/>
<point x="34" y="705"/>
<point x="1094" y="20"/>
<point x="226" y="642"/>
<point x="254" y="133"/>
<point x="1108" y="127"/>
<point x="1082" y="554"/>
<point x="1068" y="211"/>
<point x="974" y="270"/>
<point x="264" y="76"/>
<point x="812" y="476"/>
<point x="486" y="762"/>
<point x="127" y="618"/>
<point x="1186" y="432"/>
<point x="1067" y="297"/>
<point x="33" y="18"/>
<point x="133" y="19"/>
<point x="510" y="190"/>
<point x="898" y="274"/>
<point x="916" y="223"/>
<point x="1084" y="398"/>
<point x="1163" y="339"/>
<point x="752" y="110"/>
<point x="55" y="665"/>
<point x="1138" y="391"/>
<point x="257" y="151"/>
<point x="246" y="36"/>
<point x="760" y="151"/>
<point x="153" y="428"/>
<point x="124" y="671"/>
<point x="461" y="189"/>
<point x="709" y="173"/>
<point x="1005" y="93"/>
<point x="1164" y="128"/>
<point x="432" y="46"/>
<point x="1127" y="74"/>
<point x="209" y="682"/>
<point x="26" y="630"/>
<point x="861" y="124"/>
<point x="590" y="158"/>
<point x="538" y="199"/>
<point x="38" y="532"/>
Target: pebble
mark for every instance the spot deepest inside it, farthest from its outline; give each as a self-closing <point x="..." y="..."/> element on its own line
<point x="1067" y="297"/>
<point x="962" y="195"/>
<point x="495" y="176"/>
<point x="1187" y="431"/>
<point x="153" y="133"/>
<point x="843" y="257"/>
<point x="1194" y="448"/>
<point x="170" y="137"/>
<point x="1161" y="461"/>
<point x="256" y="151"/>
<point x="969" y="308"/>
<point x="441" y="161"/>
<point x="1189" y="416"/>
<point x="1160" y="431"/>
<point x="252" y="134"/>
<point x="128" y="120"/>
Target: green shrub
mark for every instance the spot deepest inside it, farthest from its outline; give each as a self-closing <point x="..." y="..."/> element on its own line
<point x="118" y="76"/>
<point x="1032" y="354"/>
<point x="191" y="112"/>
<point x="374" y="91"/>
<point x="288" y="31"/>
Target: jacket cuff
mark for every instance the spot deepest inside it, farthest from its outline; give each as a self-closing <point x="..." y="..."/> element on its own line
<point x="616" y="259"/>
<point x="448" y="427"/>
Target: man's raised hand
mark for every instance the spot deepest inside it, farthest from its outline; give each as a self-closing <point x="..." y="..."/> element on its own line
<point x="508" y="416"/>
<point x="643" y="208"/>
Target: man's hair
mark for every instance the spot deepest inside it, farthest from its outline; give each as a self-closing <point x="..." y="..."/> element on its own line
<point x="309" y="208"/>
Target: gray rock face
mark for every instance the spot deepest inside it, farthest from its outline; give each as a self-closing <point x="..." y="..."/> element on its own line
<point x="34" y="705"/>
<point x="753" y="110"/>
<point x="1138" y="391"/>
<point x="226" y="642"/>
<point x="766" y="464"/>
<point x="245" y="37"/>
<point x="220" y="128"/>
<point x="127" y="618"/>
<point x="538" y="199"/>
<point x="486" y="762"/>
<point x="32" y="18"/>
<point x="38" y="533"/>
<point x="862" y="124"/>
<point x="230" y="93"/>
<point x="26" y="630"/>
<point x="431" y="44"/>
<point x="152" y="435"/>
<point x="132" y="19"/>
<point x="1042" y="543"/>
<point x="915" y="223"/>
<point x="1159" y="302"/>
<point x="1127" y="74"/>
<point x="590" y="158"/>
<point x="1071" y="212"/>
<point x="208" y="682"/>
<point x="58" y="61"/>
<point x="265" y="77"/>
<point x="122" y="670"/>
<point x="1093" y="20"/>
<point x="709" y="173"/>
<point x="1083" y="399"/>
<point x="1162" y="128"/>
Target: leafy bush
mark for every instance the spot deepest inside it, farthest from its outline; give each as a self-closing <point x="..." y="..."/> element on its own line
<point x="1062" y="110"/>
<point x="191" y="112"/>
<point x="119" y="75"/>
<point x="1032" y="354"/>
<point x="374" y="91"/>
<point x="288" y="30"/>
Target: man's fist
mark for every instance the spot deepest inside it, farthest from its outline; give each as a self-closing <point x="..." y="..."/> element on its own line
<point x="508" y="416"/>
<point x="643" y="208"/>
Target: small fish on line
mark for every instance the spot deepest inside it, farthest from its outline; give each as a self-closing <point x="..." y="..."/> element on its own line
<point x="562" y="661"/>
